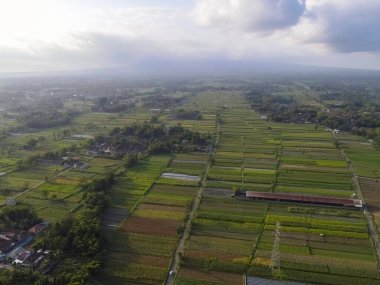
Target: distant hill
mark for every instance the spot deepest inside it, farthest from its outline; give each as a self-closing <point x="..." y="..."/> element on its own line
<point x="212" y="67"/>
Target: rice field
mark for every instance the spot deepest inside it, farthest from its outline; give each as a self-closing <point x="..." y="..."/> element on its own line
<point x="230" y="237"/>
<point x="236" y="237"/>
<point x="150" y="233"/>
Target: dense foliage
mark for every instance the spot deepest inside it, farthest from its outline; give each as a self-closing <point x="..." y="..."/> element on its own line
<point x="45" y="119"/>
<point x="281" y="108"/>
<point x="182" y="114"/>
<point x="160" y="101"/>
<point x="19" y="217"/>
<point x="77" y="242"/>
<point x="351" y="108"/>
<point x="153" y="139"/>
<point x="111" y="105"/>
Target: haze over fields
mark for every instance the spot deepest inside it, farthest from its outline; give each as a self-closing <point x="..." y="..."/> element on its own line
<point x="189" y="142"/>
<point x="173" y="35"/>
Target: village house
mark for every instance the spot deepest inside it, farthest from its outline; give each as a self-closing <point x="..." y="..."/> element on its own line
<point x="37" y="229"/>
<point x="5" y="246"/>
<point x="22" y="258"/>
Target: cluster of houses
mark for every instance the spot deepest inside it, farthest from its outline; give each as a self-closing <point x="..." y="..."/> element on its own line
<point x="103" y="149"/>
<point x="15" y="247"/>
<point x="334" y="131"/>
<point x="75" y="162"/>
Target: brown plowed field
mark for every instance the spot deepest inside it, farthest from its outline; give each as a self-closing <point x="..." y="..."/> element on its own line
<point x="152" y="226"/>
<point x="211" y="276"/>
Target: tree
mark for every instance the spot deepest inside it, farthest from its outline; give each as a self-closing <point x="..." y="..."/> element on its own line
<point x="31" y="143"/>
<point x="45" y="193"/>
<point x="41" y="139"/>
<point x="376" y="142"/>
<point x="154" y="119"/>
<point x="5" y="191"/>
<point x="19" y="217"/>
<point x="130" y="160"/>
<point x="97" y="201"/>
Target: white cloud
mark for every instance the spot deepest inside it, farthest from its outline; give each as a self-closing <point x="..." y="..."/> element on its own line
<point x="68" y="34"/>
<point x="249" y="15"/>
<point x="341" y="25"/>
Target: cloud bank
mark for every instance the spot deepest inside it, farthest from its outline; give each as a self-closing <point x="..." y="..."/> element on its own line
<point x="250" y="15"/>
<point x="345" y="26"/>
<point x="96" y="34"/>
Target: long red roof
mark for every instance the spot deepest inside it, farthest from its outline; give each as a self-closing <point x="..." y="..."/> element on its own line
<point x="305" y="198"/>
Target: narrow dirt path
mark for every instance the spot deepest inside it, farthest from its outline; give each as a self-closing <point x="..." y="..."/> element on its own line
<point x="36" y="186"/>
<point x="187" y="229"/>
<point x="371" y="226"/>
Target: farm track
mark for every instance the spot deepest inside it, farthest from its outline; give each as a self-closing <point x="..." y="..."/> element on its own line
<point x="367" y="178"/>
<point x="187" y="229"/>
<point x="371" y="226"/>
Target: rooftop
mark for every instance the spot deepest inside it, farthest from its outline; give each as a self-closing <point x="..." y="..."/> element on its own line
<point x="346" y="202"/>
<point x="38" y="228"/>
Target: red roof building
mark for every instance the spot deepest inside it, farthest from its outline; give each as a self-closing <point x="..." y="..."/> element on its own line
<point x="330" y="201"/>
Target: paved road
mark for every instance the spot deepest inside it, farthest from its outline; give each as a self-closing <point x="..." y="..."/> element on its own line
<point x="186" y="232"/>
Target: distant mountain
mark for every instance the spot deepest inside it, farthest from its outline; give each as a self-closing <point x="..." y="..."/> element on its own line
<point x="211" y="67"/>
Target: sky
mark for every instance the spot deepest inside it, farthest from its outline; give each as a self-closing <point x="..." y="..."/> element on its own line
<point x="52" y="35"/>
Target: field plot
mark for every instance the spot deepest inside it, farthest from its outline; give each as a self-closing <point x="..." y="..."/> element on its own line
<point x="130" y="187"/>
<point x="52" y="200"/>
<point x="230" y="237"/>
<point x="224" y="234"/>
<point x="6" y="122"/>
<point x="48" y="140"/>
<point x="60" y="194"/>
<point x="311" y="164"/>
<point x="100" y="165"/>
<point x="7" y="164"/>
<point x="363" y="155"/>
<point x="180" y="176"/>
<point x="171" y="195"/>
<point x="17" y="181"/>
<point x="246" y="156"/>
<point x="147" y="240"/>
<point x="150" y="256"/>
<point x="95" y="123"/>
<point x="91" y="169"/>
<point x="318" y="244"/>
<point x="204" y="124"/>
<point x="200" y="277"/>
<point x="186" y="167"/>
<point x="371" y="191"/>
<point x="11" y="184"/>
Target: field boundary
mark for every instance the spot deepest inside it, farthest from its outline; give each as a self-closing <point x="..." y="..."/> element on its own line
<point x="175" y="262"/>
